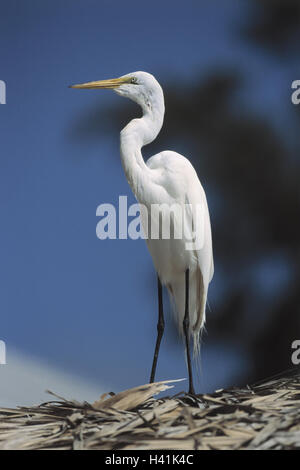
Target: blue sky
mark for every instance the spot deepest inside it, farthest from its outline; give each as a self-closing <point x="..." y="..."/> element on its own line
<point x="85" y="305"/>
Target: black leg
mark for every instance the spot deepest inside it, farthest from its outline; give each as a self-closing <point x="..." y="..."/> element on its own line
<point x="160" y="329"/>
<point x="186" y="324"/>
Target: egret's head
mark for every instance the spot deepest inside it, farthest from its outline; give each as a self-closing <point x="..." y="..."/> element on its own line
<point x="140" y="87"/>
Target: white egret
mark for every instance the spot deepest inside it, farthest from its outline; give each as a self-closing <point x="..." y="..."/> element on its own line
<point x="166" y="178"/>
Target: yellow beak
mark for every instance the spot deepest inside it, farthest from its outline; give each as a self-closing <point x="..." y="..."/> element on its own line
<point x="111" y="83"/>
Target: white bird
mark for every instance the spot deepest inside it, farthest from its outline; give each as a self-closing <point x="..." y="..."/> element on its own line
<point x="167" y="178"/>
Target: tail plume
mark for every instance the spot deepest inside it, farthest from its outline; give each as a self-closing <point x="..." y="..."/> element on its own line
<point x="197" y="304"/>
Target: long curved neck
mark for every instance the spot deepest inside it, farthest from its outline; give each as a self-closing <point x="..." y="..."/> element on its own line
<point x="134" y="136"/>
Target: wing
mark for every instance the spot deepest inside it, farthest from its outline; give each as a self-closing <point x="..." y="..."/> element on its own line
<point x="199" y="221"/>
<point x="177" y="176"/>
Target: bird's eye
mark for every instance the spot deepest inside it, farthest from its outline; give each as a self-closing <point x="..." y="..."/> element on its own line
<point x="134" y="80"/>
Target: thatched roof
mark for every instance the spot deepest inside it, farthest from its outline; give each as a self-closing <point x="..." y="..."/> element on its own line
<point x="263" y="416"/>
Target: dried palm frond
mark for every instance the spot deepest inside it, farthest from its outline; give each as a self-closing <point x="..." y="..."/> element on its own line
<point x="263" y="416"/>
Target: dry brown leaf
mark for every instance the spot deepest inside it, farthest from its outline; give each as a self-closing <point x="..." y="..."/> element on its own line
<point x="129" y="399"/>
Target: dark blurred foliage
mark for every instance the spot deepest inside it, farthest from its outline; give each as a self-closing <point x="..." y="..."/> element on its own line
<point x="275" y="24"/>
<point x="251" y="176"/>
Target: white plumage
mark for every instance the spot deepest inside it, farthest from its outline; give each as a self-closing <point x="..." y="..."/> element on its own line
<point x="166" y="178"/>
<point x="181" y="186"/>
